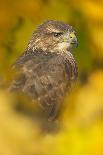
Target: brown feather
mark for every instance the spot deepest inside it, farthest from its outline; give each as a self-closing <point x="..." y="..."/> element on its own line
<point x="43" y="72"/>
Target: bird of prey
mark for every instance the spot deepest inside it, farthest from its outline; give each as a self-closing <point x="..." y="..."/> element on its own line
<point x="47" y="68"/>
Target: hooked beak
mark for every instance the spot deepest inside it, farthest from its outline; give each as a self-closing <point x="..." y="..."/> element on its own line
<point x="71" y="40"/>
<point x="74" y="39"/>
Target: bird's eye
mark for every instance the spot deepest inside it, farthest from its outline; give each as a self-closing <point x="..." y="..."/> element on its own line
<point x="57" y="34"/>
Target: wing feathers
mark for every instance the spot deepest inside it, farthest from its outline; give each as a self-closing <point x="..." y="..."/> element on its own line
<point x="46" y="78"/>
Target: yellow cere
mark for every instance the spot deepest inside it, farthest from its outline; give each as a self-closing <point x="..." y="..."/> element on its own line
<point x="72" y="35"/>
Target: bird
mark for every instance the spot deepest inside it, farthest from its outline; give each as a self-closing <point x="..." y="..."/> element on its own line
<point x="47" y="68"/>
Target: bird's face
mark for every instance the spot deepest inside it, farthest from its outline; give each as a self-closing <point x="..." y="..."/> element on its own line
<point x="54" y="35"/>
<point x="64" y="40"/>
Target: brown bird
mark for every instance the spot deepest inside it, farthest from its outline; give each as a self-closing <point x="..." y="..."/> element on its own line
<point x="47" y="67"/>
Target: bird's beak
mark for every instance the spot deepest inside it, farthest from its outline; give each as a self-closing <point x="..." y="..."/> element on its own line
<point x="74" y="39"/>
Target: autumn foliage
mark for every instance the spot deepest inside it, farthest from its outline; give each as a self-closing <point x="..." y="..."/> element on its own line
<point x="81" y="129"/>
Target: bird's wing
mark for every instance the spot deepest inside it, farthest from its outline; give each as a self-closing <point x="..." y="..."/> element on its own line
<point x="43" y="76"/>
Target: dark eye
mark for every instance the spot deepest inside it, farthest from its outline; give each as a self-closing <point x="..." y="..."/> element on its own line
<point x="57" y="34"/>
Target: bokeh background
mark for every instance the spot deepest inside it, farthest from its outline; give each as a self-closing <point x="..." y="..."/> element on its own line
<point x="81" y="130"/>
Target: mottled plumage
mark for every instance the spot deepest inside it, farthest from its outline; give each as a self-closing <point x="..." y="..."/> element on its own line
<point x="47" y="67"/>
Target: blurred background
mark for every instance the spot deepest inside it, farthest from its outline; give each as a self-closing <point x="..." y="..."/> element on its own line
<point x="81" y="121"/>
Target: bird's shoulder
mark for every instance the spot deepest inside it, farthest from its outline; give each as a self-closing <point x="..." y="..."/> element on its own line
<point x="40" y="62"/>
<point x="30" y="59"/>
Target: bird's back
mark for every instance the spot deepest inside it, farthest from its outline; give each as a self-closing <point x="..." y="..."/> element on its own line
<point x="45" y="77"/>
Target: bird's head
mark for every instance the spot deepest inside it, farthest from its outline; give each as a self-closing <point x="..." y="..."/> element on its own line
<point x="54" y="36"/>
